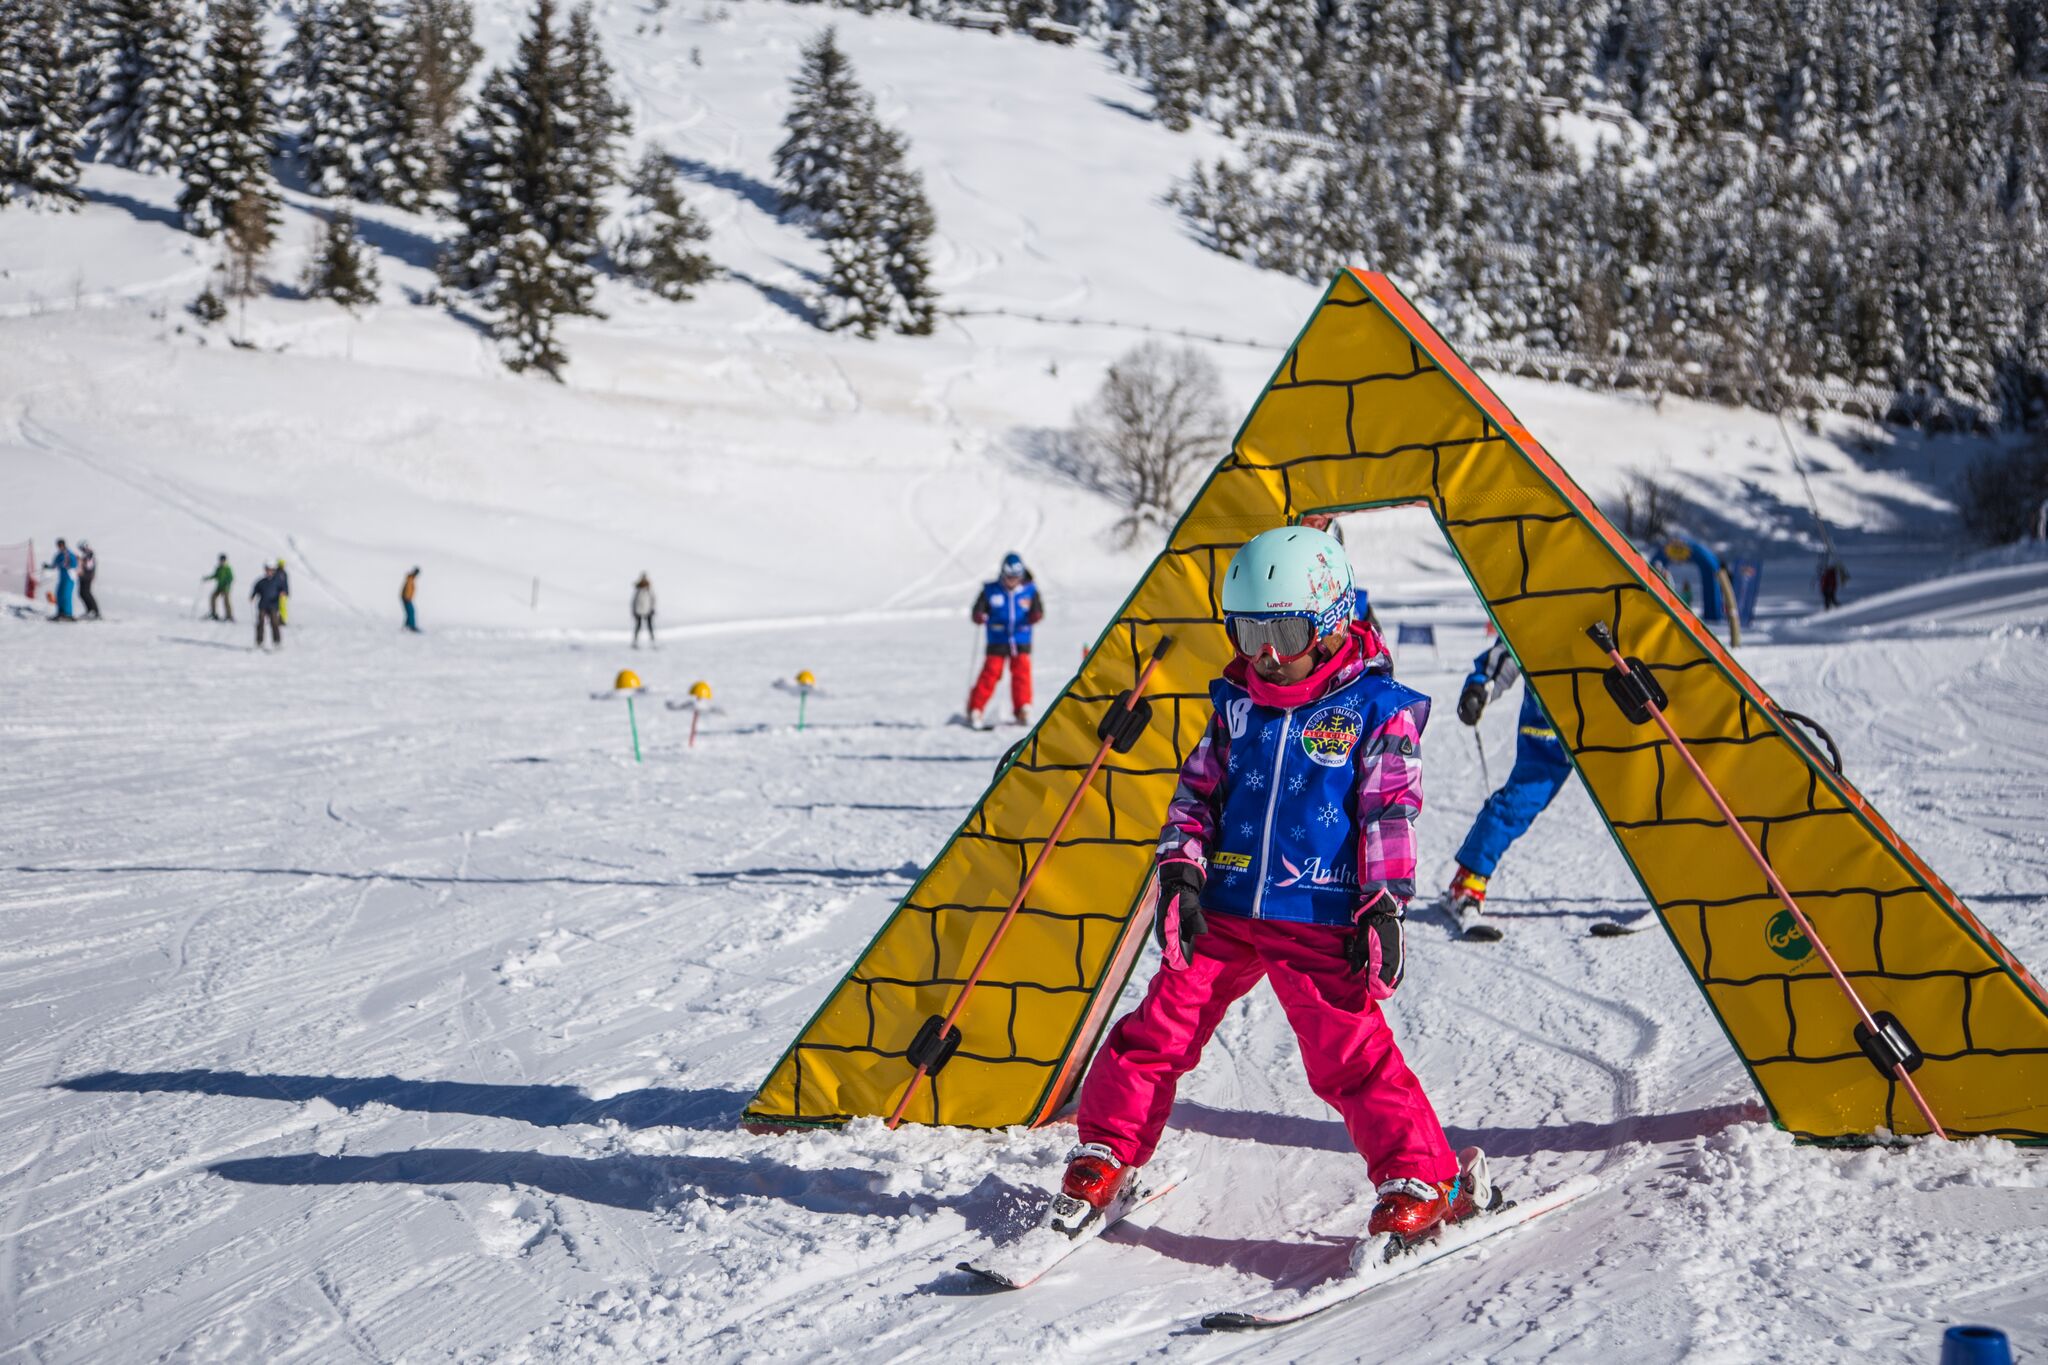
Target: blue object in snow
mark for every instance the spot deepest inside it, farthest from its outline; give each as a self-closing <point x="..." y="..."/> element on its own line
<point x="1975" y="1346"/>
<point x="1749" y="580"/>
<point x="1686" y="550"/>
<point x="1405" y="634"/>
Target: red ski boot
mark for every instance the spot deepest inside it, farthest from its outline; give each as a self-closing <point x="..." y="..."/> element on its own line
<point x="1094" y="1181"/>
<point x="1410" y="1209"/>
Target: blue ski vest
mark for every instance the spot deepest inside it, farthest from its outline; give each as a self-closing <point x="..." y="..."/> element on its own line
<point x="1286" y="844"/>
<point x="1009" y="612"/>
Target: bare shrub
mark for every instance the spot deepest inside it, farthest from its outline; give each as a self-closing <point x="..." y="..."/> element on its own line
<point x="1646" y="507"/>
<point x="1149" y="431"/>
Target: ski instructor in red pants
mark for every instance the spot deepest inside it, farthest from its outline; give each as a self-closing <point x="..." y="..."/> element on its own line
<point x="1289" y="855"/>
<point x="1007" y="609"/>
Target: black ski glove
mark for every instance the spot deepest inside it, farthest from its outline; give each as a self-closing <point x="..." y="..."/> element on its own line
<point x="1471" y="702"/>
<point x="1178" y="922"/>
<point x="1374" y="946"/>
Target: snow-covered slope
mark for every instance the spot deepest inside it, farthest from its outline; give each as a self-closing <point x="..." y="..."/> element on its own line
<point x="369" y="1001"/>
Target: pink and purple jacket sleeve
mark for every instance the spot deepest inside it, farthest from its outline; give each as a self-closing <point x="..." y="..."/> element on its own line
<point x="1191" y="816"/>
<point x="1389" y="799"/>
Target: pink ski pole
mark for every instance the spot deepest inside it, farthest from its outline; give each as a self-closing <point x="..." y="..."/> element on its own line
<point x="1644" y="693"/>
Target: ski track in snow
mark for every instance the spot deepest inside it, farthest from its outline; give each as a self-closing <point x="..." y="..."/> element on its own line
<point x="439" y="1053"/>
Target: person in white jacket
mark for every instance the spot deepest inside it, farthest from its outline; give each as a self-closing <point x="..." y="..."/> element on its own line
<point x="643" y="610"/>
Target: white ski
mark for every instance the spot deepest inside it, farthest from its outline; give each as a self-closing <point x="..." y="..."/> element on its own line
<point x="1375" y="1270"/>
<point x="1022" y="1260"/>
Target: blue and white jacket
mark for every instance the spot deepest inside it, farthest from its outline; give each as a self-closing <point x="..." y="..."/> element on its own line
<point x="1300" y="803"/>
<point x="1009" y="613"/>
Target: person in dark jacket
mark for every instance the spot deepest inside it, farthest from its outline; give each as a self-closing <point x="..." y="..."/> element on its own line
<point x="265" y="594"/>
<point x="1007" y="609"/>
<point x="88" y="566"/>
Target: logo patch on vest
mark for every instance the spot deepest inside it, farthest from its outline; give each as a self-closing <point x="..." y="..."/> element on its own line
<point x="1331" y="734"/>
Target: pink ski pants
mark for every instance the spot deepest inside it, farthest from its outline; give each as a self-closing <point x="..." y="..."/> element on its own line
<point x="1346" y="1047"/>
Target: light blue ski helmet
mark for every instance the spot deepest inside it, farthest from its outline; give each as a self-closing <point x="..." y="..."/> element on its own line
<point x="1292" y="571"/>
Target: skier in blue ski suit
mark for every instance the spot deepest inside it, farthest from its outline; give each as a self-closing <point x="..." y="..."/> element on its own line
<point x="1541" y="769"/>
<point x="64" y="562"/>
<point x="1006" y="609"/>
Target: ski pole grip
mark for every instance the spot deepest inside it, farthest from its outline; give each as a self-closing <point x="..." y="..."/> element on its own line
<point x="1600" y="635"/>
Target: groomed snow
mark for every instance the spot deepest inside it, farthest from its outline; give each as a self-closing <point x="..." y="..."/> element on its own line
<point x="368" y="1001"/>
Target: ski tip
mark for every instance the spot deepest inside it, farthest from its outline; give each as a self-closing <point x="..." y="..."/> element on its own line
<point x="1483" y="933"/>
<point x="1232" y="1322"/>
<point x="1607" y="928"/>
<point x="990" y="1277"/>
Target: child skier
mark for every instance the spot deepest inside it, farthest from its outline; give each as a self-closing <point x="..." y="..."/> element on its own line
<point x="1007" y="609"/>
<point x="1542" y="767"/>
<point x="1288" y="853"/>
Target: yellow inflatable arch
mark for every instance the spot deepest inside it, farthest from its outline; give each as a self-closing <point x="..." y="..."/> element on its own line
<point x="1372" y="408"/>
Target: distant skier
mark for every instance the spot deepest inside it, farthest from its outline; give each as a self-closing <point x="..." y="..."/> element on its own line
<point x="1007" y="609"/>
<point x="1289" y="853"/>
<point x="265" y="595"/>
<point x="405" y="595"/>
<point x="222" y="578"/>
<point x="1542" y="767"/>
<point x="643" y="610"/>
<point x="1832" y="577"/>
<point x="88" y="569"/>
<point x="66" y="564"/>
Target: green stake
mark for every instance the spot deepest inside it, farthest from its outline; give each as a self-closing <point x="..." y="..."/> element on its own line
<point x="633" y="721"/>
<point x="803" y="694"/>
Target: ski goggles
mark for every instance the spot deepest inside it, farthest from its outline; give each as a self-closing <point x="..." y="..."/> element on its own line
<point x="1289" y="635"/>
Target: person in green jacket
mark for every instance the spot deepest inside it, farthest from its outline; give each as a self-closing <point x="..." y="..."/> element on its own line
<point x="223" y="578"/>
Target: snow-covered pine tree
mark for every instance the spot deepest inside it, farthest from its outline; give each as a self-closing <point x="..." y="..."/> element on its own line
<point x="857" y="291"/>
<point x="907" y="228"/>
<point x="879" y="277"/>
<point x="826" y="112"/>
<point x="342" y="268"/>
<point x="526" y="296"/>
<point x="1170" y="46"/>
<point x="437" y="40"/>
<point x="656" y="242"/>
<point x="229" y="156"/>
<point x="38" y="109"/>
<point x="136" y="69"/>
<point x="301" y="66"/>
<point x="345" y="139"/>
<point x="504" y="145"/>
<point x="590" y="120"/>
<point x="532" y="163"/>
